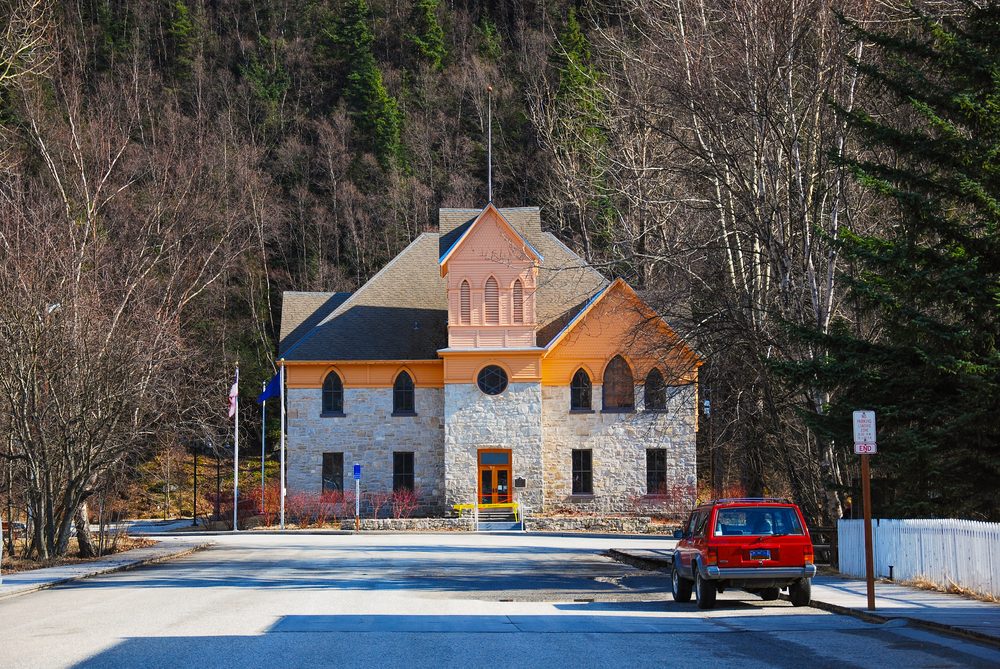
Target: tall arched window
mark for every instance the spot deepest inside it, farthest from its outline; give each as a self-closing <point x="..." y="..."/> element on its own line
<point x="518" y="302"/>
<point x="492" y="299"/>
<point x="580" y="391"/>
<point x="655" y="392"/>
<point x="402" y="395"/>
<point x="465" y="313"/>
<point x="333" y="394"/>
<point x="619" y="389"/>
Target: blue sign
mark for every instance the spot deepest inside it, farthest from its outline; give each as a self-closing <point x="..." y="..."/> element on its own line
<point x="357" y="472"/>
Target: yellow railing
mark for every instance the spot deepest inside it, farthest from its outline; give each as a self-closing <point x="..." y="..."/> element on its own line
<point x="513" y="506"/>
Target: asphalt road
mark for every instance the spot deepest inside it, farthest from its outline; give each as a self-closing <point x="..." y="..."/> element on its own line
<point x="434" y="601"/>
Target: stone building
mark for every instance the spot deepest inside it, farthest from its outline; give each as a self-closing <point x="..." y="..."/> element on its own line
<point x="489" y="362"/>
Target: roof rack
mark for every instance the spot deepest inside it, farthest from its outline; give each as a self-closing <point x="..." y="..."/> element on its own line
<point x="726" y="500"/>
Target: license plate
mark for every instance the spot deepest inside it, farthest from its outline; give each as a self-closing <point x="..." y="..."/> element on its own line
<point x="760" y="554"/>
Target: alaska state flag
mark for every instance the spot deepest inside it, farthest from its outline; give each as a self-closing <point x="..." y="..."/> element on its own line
<point x="234" y="393"/>
<point x="273" y="389"/>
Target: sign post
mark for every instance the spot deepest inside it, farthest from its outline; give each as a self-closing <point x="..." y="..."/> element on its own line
<point x="357" y="497"/>
<point x="865" y="445"/>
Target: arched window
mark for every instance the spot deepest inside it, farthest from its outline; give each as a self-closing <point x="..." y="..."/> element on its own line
<point x="619" y="389"/>
<point x="655" y="392"/>
<point x="333" y="394"/>
<point x="465" y="313"/>
<point x="492" y="299"/>
<point x="402" y="395"/>
<point x="518" y="302"/>
<point x="580" y="391"/>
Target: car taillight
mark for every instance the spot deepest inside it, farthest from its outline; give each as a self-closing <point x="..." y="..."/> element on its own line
<point x="712" y="556"/>
<point x="807" y="553"/>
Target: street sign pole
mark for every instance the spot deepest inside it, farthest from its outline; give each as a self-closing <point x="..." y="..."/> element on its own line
<point x="866" y="491"/>
<point x="357" y="498"/>
<point x="865" y="445"/>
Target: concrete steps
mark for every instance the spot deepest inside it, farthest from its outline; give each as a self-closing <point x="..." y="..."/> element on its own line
<point x="499" y="526"/>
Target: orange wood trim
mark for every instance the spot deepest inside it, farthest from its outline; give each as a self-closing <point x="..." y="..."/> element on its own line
<point x="365" y="373"/>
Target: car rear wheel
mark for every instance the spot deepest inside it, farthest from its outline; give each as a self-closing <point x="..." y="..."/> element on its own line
<point x="800" y="592"/>
<point x="680" y="587"/>
<point x="769" y="594"/>
<point x="704" y="592"/>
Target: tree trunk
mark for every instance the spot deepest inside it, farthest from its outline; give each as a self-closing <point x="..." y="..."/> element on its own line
<point x="83" y="538"/>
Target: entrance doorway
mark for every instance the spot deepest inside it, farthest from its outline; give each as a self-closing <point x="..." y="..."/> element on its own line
<point x="494" y="476"/>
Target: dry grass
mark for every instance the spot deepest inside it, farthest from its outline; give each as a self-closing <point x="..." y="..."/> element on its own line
<point x="16" y="563"/>
<point x="951" y="589"/>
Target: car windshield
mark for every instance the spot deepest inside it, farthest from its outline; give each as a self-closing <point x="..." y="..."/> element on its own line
<point x="757" y="521"/>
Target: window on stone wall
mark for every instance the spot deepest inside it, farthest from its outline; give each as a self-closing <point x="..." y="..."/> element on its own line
<point x="402" y="471"/>
<point x="333" y="472"/>
<point x="580" y="392"/>
<point x="402" y="395"/>
<point x="583" y="473"/>
<point x="518" y="302"/>
<point x="492" y="301"/>
<point x="656" y="471"/>
<point x="654" y="392"/>
<point x="465" y="312"/>
<point x="619" y="388"/>
<point x="333" y="395"/>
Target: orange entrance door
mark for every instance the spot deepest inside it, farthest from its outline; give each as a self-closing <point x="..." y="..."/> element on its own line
<point x="494" y="476"/>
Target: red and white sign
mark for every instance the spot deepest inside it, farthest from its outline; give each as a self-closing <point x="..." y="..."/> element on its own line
<point x="864" y="432"/>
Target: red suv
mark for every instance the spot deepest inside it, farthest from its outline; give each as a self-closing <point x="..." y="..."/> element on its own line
<point x="752" y="544"/>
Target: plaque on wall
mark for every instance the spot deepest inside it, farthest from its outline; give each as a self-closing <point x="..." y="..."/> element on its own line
<point x="518" y="483"/>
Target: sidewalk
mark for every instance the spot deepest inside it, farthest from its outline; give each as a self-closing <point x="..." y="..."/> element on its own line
<point x="38" y="579"/>
<point x="935" y="610"/>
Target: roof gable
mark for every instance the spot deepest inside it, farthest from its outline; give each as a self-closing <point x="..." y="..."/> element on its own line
<point x="646" y="324"/>
<point x="488" y="230"/>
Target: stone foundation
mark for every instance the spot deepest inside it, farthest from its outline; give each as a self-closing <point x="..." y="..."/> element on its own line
<point x="603" y="524"/>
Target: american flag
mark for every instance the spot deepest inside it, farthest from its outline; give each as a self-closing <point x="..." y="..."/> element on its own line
<point x="233" y="392"/>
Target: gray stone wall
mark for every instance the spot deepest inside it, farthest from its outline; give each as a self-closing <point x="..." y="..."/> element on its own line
<point x="475" y="420"/>
<point x="368" y="434"/>
<point x="619" y="442"/>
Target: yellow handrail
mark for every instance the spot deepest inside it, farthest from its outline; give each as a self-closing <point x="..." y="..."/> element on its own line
<point x="514" y="506"/>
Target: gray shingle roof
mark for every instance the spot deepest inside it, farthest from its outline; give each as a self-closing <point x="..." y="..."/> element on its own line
<point x="402" y="312"/>
<point x="302" y="311"/>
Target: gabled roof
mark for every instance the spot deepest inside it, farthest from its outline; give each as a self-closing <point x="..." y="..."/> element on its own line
<point x="452" y="241"/>
<point x="401" y="313"/>
<point x="648" y="313"/>
<point x="302" y="311"/>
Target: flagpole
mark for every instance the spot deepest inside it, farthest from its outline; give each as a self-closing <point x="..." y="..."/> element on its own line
<point x="281" y="371"/>
<point x="236" y="457"/>
<point x="263" y="442"/>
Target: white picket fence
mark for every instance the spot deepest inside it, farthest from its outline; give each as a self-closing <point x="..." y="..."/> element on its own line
<point x="960" y="552"/>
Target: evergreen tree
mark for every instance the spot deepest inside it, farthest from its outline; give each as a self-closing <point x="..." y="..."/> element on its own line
<point x="426" y="34"/>
<point x="580" y="105"/>
<point x="375" y="112"/>
<point x="933" y="286"/>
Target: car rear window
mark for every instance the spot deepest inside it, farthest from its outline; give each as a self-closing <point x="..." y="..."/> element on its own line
<point x="756" y="521"/>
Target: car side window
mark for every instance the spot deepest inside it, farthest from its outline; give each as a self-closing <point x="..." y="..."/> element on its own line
<point x="699" y="529"/>
<point x="691" y="523"/>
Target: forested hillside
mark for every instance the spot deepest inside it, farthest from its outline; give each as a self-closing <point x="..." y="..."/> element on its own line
<point x="171" y="166"/>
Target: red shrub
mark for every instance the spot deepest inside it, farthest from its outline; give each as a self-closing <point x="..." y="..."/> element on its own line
<point x="404" y="502"/>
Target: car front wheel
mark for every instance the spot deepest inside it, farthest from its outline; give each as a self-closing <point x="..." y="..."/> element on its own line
<point x="680" y="587"/>
<point x="800" y="592"/>
<point x="704" y="592"/>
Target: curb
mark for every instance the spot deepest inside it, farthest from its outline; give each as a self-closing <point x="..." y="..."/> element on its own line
<point x="110" y="570"/>
<point x="649" y="564"/>
<point x="867" y="616"/>
<point x="879" y="619"/>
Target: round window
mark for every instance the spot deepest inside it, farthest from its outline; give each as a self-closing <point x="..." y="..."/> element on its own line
<point x="492" y="380"/>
